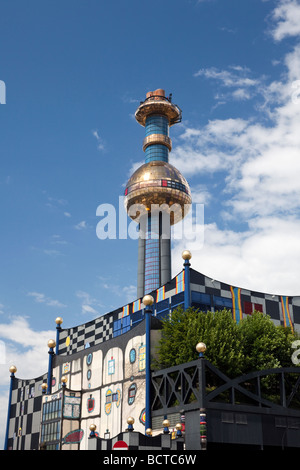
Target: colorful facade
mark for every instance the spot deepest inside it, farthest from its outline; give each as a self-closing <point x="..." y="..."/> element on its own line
<point x="99" y="372"/>
<point x="104" y="364"/>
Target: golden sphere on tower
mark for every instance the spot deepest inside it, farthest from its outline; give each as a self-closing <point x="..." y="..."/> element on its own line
<point x="44" y="386"/>
<point x="51" y="343"/>
<point x="149" y="432"/>
<point x="166" y="423"/>
<point x="58" y="320"/>
<point x="130" y="420"/>
<point x="148" y="300"/>
<point x="186" y="254"/>
<point x="64" y="379"/>
<point x="12" y="369"/>
<point x="201" y="347"/>
<point x="155" y="185"/>
<point x="93" y="427"/>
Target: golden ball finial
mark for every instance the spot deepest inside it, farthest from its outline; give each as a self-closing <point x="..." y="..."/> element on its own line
<point x="58" y="320"/>
<point x="166" y="423"/>
<point x="93" y="427"/>
<point x="64" y="379"/>
<point x="12" y="369"/>
<point x="130" y="420"/>
<point x="51" y="343"/>
<point x="149" y="432"/>
<point x="186" y="254"/>
<point x="44" y="386"/>
<point x="178" y="427"/>
<point x="148" y="300"/>
<point x="201" y="347"/>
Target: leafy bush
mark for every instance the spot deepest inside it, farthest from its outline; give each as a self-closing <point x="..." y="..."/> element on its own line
<point x="255" y="343"/>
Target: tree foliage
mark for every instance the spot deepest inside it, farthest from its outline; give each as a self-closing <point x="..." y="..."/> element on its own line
<point x="255" y="343"/>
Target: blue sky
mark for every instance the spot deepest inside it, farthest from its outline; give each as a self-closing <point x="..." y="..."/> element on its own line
<point x="75" y="71"/>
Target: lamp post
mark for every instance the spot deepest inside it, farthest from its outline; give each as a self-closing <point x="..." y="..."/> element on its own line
<point x="12" y="371"/>
<point x="148" y="301"/>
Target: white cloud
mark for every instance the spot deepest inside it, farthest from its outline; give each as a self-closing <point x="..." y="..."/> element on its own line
<point x="264" y="258"/>
<point x="287" y="19"/>
<point x="81" y="225"/>
<point x="88" y="303"/>
<point x="235" y="77"/>
<point x="100" y="142"/>
<point x="26" y="349"/>
<point x="258" y="159"/>
<point x="42" y="299"/>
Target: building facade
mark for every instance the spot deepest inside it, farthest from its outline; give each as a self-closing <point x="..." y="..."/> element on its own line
<point x="100" y="372"/>
<point x="103" y="364"/>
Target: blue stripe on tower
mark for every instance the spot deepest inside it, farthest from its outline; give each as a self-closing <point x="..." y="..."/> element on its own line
<point x="156" y="124"/>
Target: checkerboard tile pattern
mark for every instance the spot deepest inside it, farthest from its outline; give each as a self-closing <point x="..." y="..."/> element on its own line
<point x="90" y="334"/>
<point x="25" y="414"/>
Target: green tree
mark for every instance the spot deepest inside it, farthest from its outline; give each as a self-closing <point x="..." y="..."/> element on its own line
<point x="255" y="343"/>
<point x="217" y="330"/>
<point x="265" y="345"/>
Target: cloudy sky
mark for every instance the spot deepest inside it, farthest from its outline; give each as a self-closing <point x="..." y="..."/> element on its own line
<point x="74" y="73"/>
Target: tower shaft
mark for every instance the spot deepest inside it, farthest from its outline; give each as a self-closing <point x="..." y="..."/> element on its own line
<point x="159" y="191"/>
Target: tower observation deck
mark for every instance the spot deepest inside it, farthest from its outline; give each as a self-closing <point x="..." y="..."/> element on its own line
<point x="156" y="195"/>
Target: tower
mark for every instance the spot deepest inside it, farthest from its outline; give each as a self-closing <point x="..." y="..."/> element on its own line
<point x="156" y="195"/>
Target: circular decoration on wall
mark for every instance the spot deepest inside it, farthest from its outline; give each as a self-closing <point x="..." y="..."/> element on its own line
<point x="89" y="374"/>
<point x="132" y="356"/>
<point x="89" y="359"/>
<point x="68" y="340"/>
<point x="142" y="417"/>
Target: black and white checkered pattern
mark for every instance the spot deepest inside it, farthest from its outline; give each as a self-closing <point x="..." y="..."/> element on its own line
<point x="25" y="414"/>
<point x="89" y="334"/>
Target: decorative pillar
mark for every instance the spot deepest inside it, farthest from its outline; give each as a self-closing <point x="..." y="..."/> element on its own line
<point x="148" y="302"/>
<point x="166" y="424"/>
<point x="51" y="346"/>
<point x="93" y="428"/>
<point x="12" y="371"/>
<point x="201" y="348"/>
<point x="130" y="422"/>
<point x="186" y="255"/>
<point x="58" y="322"/>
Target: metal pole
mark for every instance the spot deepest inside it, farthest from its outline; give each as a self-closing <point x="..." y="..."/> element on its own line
<point x="186" y="255"/>
<point x="12" y="369"/>
<point x="148" y="302"/>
